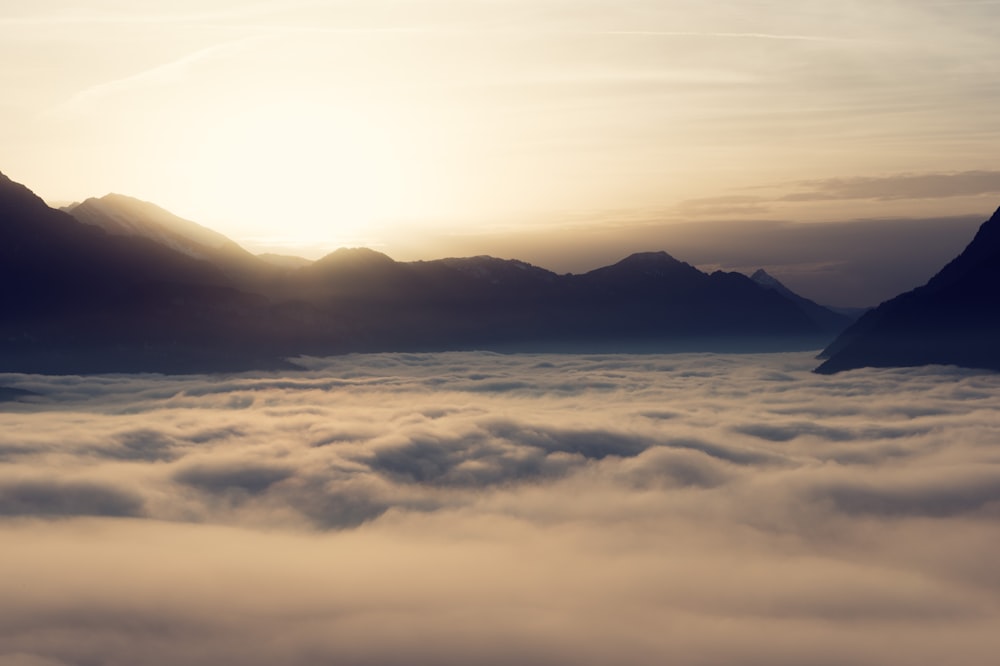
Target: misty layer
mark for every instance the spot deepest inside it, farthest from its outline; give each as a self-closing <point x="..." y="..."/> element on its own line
<point x="480" y="508"/>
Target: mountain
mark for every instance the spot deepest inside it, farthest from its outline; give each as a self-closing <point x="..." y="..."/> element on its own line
<point x="288" y="261"/>
<point x="826" y="318"/>
<point x="81" y="300"/>
<point x="689" y="303"/>
<point x="120" y="215"/>
<point x="954" y="319"/>
<point x="124" y="216"/>
<point x="140" y="292"/>
<point x="852" y="314"/>
<point x="461" y="303"/>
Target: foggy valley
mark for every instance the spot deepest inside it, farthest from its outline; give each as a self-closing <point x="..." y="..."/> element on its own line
<point x="483" y="508"/>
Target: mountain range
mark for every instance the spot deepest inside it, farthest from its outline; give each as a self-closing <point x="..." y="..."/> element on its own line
<point x="116" y="284"/>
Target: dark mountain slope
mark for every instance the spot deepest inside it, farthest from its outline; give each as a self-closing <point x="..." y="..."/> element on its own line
<point x="825" y="318"/>
<point x="47" y="256"/>
<point x="954" y="319"/>
<point x="76" y="299"/>
<point x="484" y="301"/>
<point x="654" y="294"/>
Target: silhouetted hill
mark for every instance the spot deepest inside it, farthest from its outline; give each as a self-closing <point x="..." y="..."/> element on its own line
<point x="287" y="261"/>
<point x="152" y="300"/>
<point x="484" y="301"/>
<point x="59" y="254"/>
<point x="954" y="319"/>
<point x="126" y="216"/>
<point x="688" y="302"/>
<point x="826" y="318"/>
<point x="79" y="299"/>
<point x="120" y="215"/>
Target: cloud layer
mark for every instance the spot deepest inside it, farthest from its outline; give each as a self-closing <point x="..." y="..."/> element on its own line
<point x="482" y="508"/>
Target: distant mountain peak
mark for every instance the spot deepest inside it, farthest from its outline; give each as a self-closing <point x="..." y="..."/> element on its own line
<point x="651" y="263"/>
<point x="485" y="259"/>
<point x="495" y="270"/>
<point x="768" y="281"/>
<point x="352" y="260"/>
<point x="650" y="258"/>
<point x="115" y="196"/>
<point x="358" y="255"/>
<point x="824" y="317"/>
<point x="127" y="216"/>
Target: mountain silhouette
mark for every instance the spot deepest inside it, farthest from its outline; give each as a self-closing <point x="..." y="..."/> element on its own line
<point x="286" y="261"/>
<point x="826" y="318"/>
<point x="467" y="302"/>
<point x="688" y="301"/>
<point x="125" y="216"/>
<point x="120" y="215"/>
<point x="133" y="289"/>
<point x="78" y="299"/>
<point x="954" y="319"/>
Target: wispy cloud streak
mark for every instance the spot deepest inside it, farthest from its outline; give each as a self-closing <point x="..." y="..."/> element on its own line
<point x="88" y="97"/>
<point x="85" y="17"/>
<point x="728" y="35"/>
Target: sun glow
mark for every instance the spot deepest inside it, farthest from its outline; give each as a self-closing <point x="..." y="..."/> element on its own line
<point x="311" y="168"/>
<point x="370" y="123"/>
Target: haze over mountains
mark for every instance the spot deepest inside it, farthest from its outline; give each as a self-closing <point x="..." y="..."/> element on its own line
<point x="136" y="288"/>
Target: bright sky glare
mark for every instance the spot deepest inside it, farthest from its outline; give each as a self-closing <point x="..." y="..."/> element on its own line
<point x="307" y="125"/>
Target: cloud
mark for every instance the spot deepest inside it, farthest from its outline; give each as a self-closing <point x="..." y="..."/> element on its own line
<point x="245" y="477"/>
<point x="900" y="186"/>
<point x="65" y="498"/>
<point x="787" y="432"/>
<point x="88" y="98"/>
<point x="728" y="35"/>
<point x="936" y="497"/>
<point x="382" y="509"/>
<point x="473" y="461"/>
<point x="95" y="16"/>
<point x="667" y="467"/>
<point x="27" y="660"/>
<point x="11" y="394"/>
<point x="595" y="444"/>
<point x="142" y="444"/>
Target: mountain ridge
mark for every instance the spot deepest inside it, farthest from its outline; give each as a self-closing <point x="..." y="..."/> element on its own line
<point x="120" y="215"/>
<point x="825" y="317"/>
<point x="124" y="215"/>
<point x="100" y="301"/>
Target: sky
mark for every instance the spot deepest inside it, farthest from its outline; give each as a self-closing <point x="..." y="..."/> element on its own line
<point x="416" y="125"/>
<point x="497" y="509"/>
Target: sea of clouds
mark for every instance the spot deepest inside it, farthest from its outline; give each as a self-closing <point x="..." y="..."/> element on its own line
<point x="473" y="508"/>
